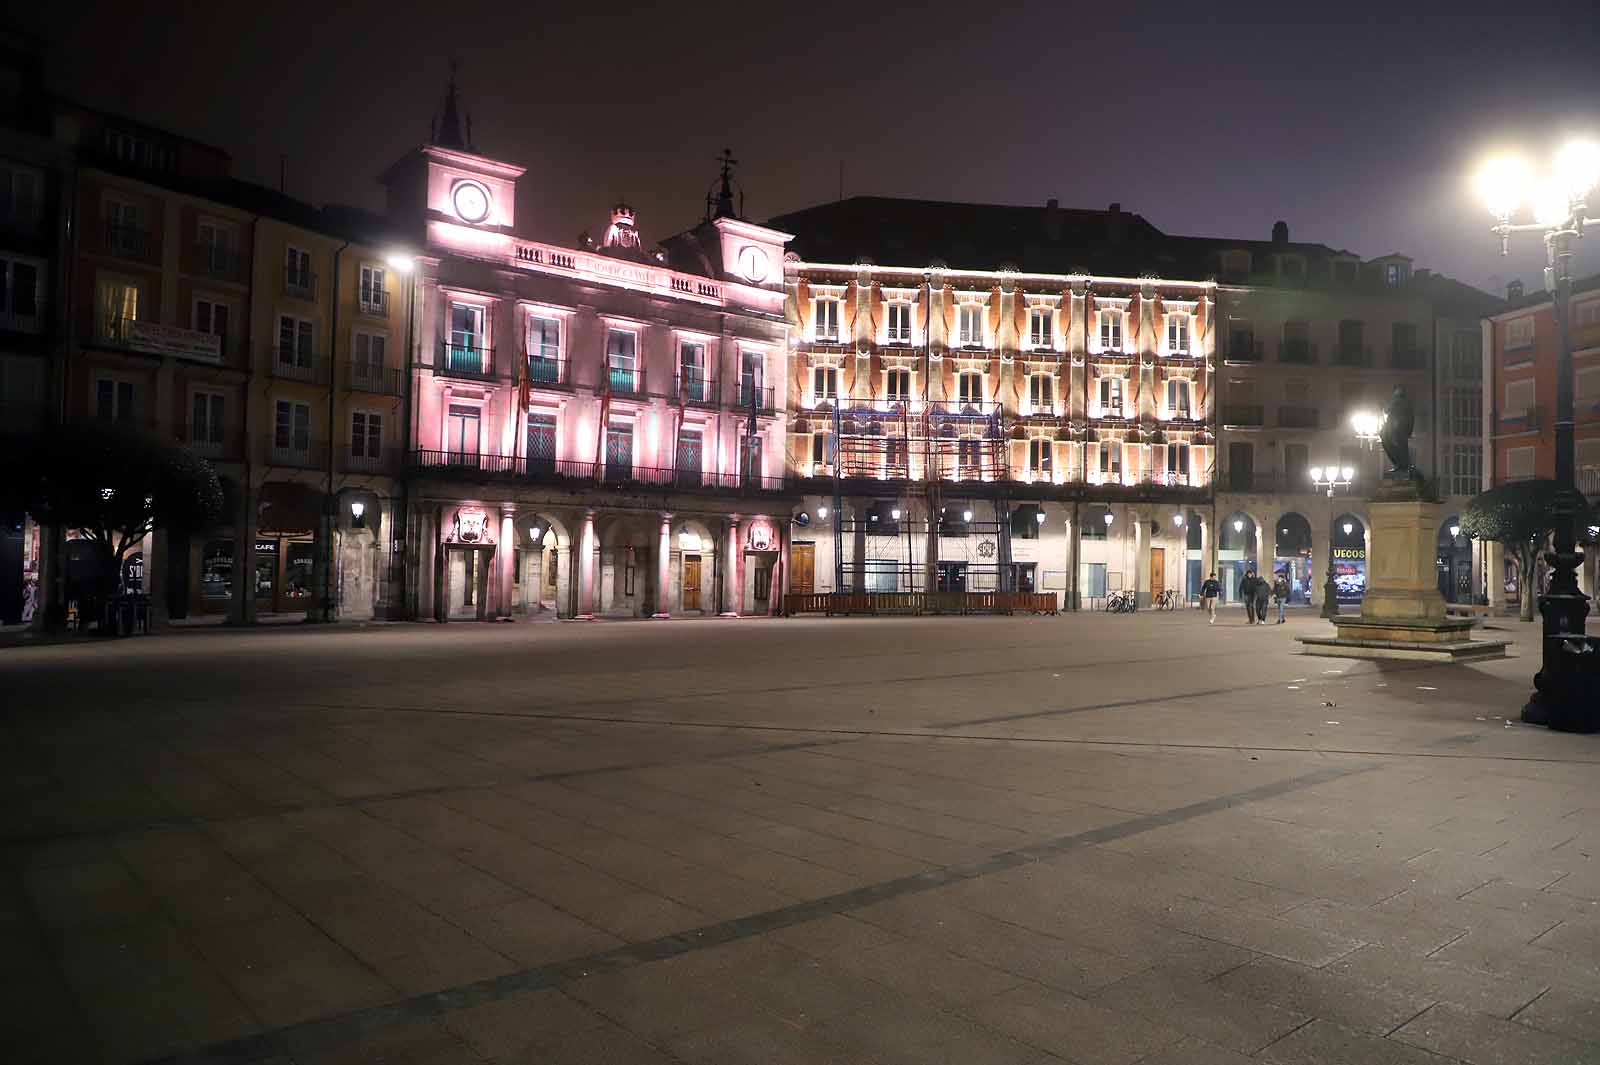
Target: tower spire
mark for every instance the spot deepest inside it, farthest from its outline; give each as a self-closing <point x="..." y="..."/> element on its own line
<point x="720" y="204"/>
<point x="447" y="133"/>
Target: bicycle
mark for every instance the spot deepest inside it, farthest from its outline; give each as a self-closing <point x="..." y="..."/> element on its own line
<point x="1121" y="603"/>
<point x="1167" y="600"/>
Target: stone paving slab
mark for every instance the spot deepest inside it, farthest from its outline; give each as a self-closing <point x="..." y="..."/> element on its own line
<point x="1086" y="839"/>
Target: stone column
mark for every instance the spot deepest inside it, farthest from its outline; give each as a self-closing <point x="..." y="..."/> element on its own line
<point x="242" y="606"/>
<point x="506" y="552"/>
<point x="426" y="578"/>
<point x="664" y="569"/>
<point x="1321" y="548"/>
<point x="1142" y="542"/>
<point x="1074" y="591"/>
<point x="733" y="577"/>
<point x="587" y="562"/>
<point x="1208" y="542"/>
<point x="155" y="574"/>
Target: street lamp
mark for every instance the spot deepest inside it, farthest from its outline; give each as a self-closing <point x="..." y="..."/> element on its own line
<point x="822" y="513"/>
<point x="1368" y="427"/>
<point x="1108" y="518"/>
<point x="1331" y="477"/>
<point x="358" y="511"/>
<point x="1455" y="531"/>
<point x="1177" y="519"/>
<point x="1560" y="209"/>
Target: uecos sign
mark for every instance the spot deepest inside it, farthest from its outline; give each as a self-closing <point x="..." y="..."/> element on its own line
<point x="1350" y="554"/>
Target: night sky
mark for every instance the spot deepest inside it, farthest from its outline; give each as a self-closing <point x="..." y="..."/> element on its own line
<point x="1359" y="126"/>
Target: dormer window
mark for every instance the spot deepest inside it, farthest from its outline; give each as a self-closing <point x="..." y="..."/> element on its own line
<point x="1178" y="334"/>
<point x="1395" y="274"/>
<point x="1111" y="329"/>
<point x="971" y="327"/>
<point x="1041" y="328"/>
<point x="825" y="324"/>
<point x="899" y="323"/>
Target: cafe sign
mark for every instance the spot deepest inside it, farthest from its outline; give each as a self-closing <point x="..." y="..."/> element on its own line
<point x="153" y="338"/>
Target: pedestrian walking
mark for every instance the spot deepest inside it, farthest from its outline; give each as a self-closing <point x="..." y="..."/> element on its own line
<point x="1263" y="590"/>
<point x="1210" y="590"/>
<point x="1247" y="592"/>
<point x="1280" y="592"/>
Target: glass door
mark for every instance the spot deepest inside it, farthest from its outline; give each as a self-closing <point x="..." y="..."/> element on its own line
<point x="465" y="350"/>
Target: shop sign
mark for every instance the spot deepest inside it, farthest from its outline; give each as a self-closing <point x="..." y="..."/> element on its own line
<point x="153" y="338"/>
<point x="1355" y="554"/>
<point x="471" y="526"/>
<point x="762" y="536"/>
<point x="266" y="547"/>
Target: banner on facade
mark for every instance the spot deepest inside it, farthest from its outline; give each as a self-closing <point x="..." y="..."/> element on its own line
<point x="153" y="338"/>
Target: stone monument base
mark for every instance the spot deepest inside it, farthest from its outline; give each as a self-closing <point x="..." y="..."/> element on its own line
<point x="1402" y="615"/>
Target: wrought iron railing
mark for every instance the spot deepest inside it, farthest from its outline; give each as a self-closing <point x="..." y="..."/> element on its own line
<point x="464" y="359"/>
<point x="294" y="365"/>
<point x="538" y="468"/>
<point x="378" y="380"/>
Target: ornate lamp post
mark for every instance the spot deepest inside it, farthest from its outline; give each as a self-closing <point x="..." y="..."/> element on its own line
<point x="1331" y="477"/>
<point x="1560" y="211"/>
<point x="1368" y="427"/>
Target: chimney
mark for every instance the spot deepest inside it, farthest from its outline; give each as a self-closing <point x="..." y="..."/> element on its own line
<point x="1114" y="223"/>
<point x="1280" y="232"/>
<point x="1052" y="218"/>
<point x="1514" y="290"/>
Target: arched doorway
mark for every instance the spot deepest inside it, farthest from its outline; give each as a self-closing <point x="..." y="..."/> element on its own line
<point x="694" y="549"/>
<point x="1236" y="552"/>
<point x="1453" y="560"/>
<point x="627" y="584"/>
<point x="1292" y="555"/>
<point x="1349" y="539"/>
<point x="541" y="565"/>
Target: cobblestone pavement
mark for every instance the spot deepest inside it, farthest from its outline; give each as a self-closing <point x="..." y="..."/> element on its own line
<point x="1090" y="839"/>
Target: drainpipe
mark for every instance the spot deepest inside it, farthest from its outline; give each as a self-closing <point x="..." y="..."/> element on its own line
<point x="329" y="515"/>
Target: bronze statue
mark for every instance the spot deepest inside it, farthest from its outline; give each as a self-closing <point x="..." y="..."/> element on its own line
<point x="1399" y="417"/>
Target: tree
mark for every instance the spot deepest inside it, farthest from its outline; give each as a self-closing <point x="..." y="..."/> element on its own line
<point x="113" y="483"/>
<point x="1520" y="515"/>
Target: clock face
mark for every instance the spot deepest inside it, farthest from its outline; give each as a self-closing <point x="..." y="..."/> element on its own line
<point x="753" y="263"/>
<point x="471" y="201"/>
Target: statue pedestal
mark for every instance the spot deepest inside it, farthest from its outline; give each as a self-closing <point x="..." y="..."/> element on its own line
<point x="1402" y="613"/>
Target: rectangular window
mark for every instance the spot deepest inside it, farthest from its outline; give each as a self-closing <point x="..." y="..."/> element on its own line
<point x="1178" y="405"/>
<point x="1466" y="412"/>
<point x="1178" y="463"/>
<point x="1466" y="469"/>
<point x="898" y="385"/>
<point x="825" y="383"/>
<point x="971" y="326"/>
<point x="19" y="293"/>
<point x="291" y="427"/>
<point x="899" y="323"/>
<point x="1519" y="463"/>
<point x="1403" y="341"/>
<point x="969" y="385"/>
<point x="819" y="449"/>
<point x="541" y="450"/>
<point x="297" y="271"/>
<point x="826" y="319"/>
<point x="1519" y="333"/>
<point x="1111" y="460"/>
<point x="366" y="435"/>
<point x="117" y="306"/>
<point x="1040" y="450"/>
<point x="212" y="317"/>
<point x="1587" y="396"/>
<point x="1241" y="340"/>
<point x="751" y="468"/>
<point x="217" y="248"/>
<point x="1094" y="573"/>
<point x="113" y="400"/>
<point x="969" y="458"/>
<point x="370" y="355"/>
<point x="692" y="370"/>
<point x="752" y="376"/>
<point x="374" y="297"/>
<point x="544" y="350"/>
<point x="1296" y="342"/>
<point x="1519" y="398"/>
<point x="19" y="194"/>
<point x="1586" y="314"/>
<point x="466" y="351"/>
<point x="1111" y="329"/>
<point x="1041" y="393"/>
<point x="619" y="450"/>
<point x="205" y="425"/>
<point x="1352" y="340"/>
<point x="1178" y="334"/>
<point x="461" y="429"/>
<point x="1111" y="405"/>
<point x="294" y="341"/>
<point x="691" y="456"/>
<point x="1041" y="327"/>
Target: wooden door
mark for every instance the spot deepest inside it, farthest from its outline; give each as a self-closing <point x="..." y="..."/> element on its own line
<point x="691" y="582"/>
<point x="802" y="568"/>
<point x="1158" y="571"/>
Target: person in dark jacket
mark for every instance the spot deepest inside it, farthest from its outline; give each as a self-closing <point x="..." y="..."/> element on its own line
<point x="1247" y="592"/>
<point x="1210" y="590"/>
<point x="1263" y="590"/>
<point x="1280" y="592"/>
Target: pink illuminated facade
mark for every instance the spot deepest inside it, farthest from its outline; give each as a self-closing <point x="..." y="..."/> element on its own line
<point x="598" y="429"/>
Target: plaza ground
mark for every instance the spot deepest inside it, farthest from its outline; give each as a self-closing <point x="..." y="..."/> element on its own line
<point x="1092" y="839"/>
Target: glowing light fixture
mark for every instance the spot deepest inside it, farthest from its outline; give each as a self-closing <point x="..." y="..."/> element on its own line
<point x="966" y="515"/>
<point x="1455" y="531"/>
<point x="1551" y="203"/>
<point x="1109" y="518"/>
<point x="1238" y="525"/>
<point x="1331" y="477"/>
<point x="1177" y="519"/>
<point x="400" y="262"/>
<point x="1578" y="167"/>
<point x="822" y="512"/>
<point x="895" y="513"/>
<point x="1038" y="516"/>
<point x="1501" y="184"/>
<point x="1349" y="527"/>
<point x="1368" y="426"/>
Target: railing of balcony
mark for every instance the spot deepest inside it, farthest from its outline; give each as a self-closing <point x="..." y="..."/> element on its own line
<point x="127" y="241"/>
<point x="301" y="284"/>
<point x="378" y="380"/>
<point x="1242" y="414"/>
<point x="363" y="460"/>
<point x="625" y="380"/>
<point x="29" y="319"/>
<point x="1298" y="352"/>
<point x="215" y="260"/>
<point x="514" y="466"/>
<point x="463" y="359"/>
<point x="292" y="364"/>
<point x="1589" y="480"/>
<point x="1292" y="416"/>
<point x="694" y="386"/>
<point x="373" y="302"/>
<point x="547" y="370"/>
<point x="753" y="394"/>
<point x="295" y="452"/>
<point x="1406" y="358"/>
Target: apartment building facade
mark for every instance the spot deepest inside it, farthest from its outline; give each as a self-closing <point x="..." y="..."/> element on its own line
<point x="1520" y="346"/>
